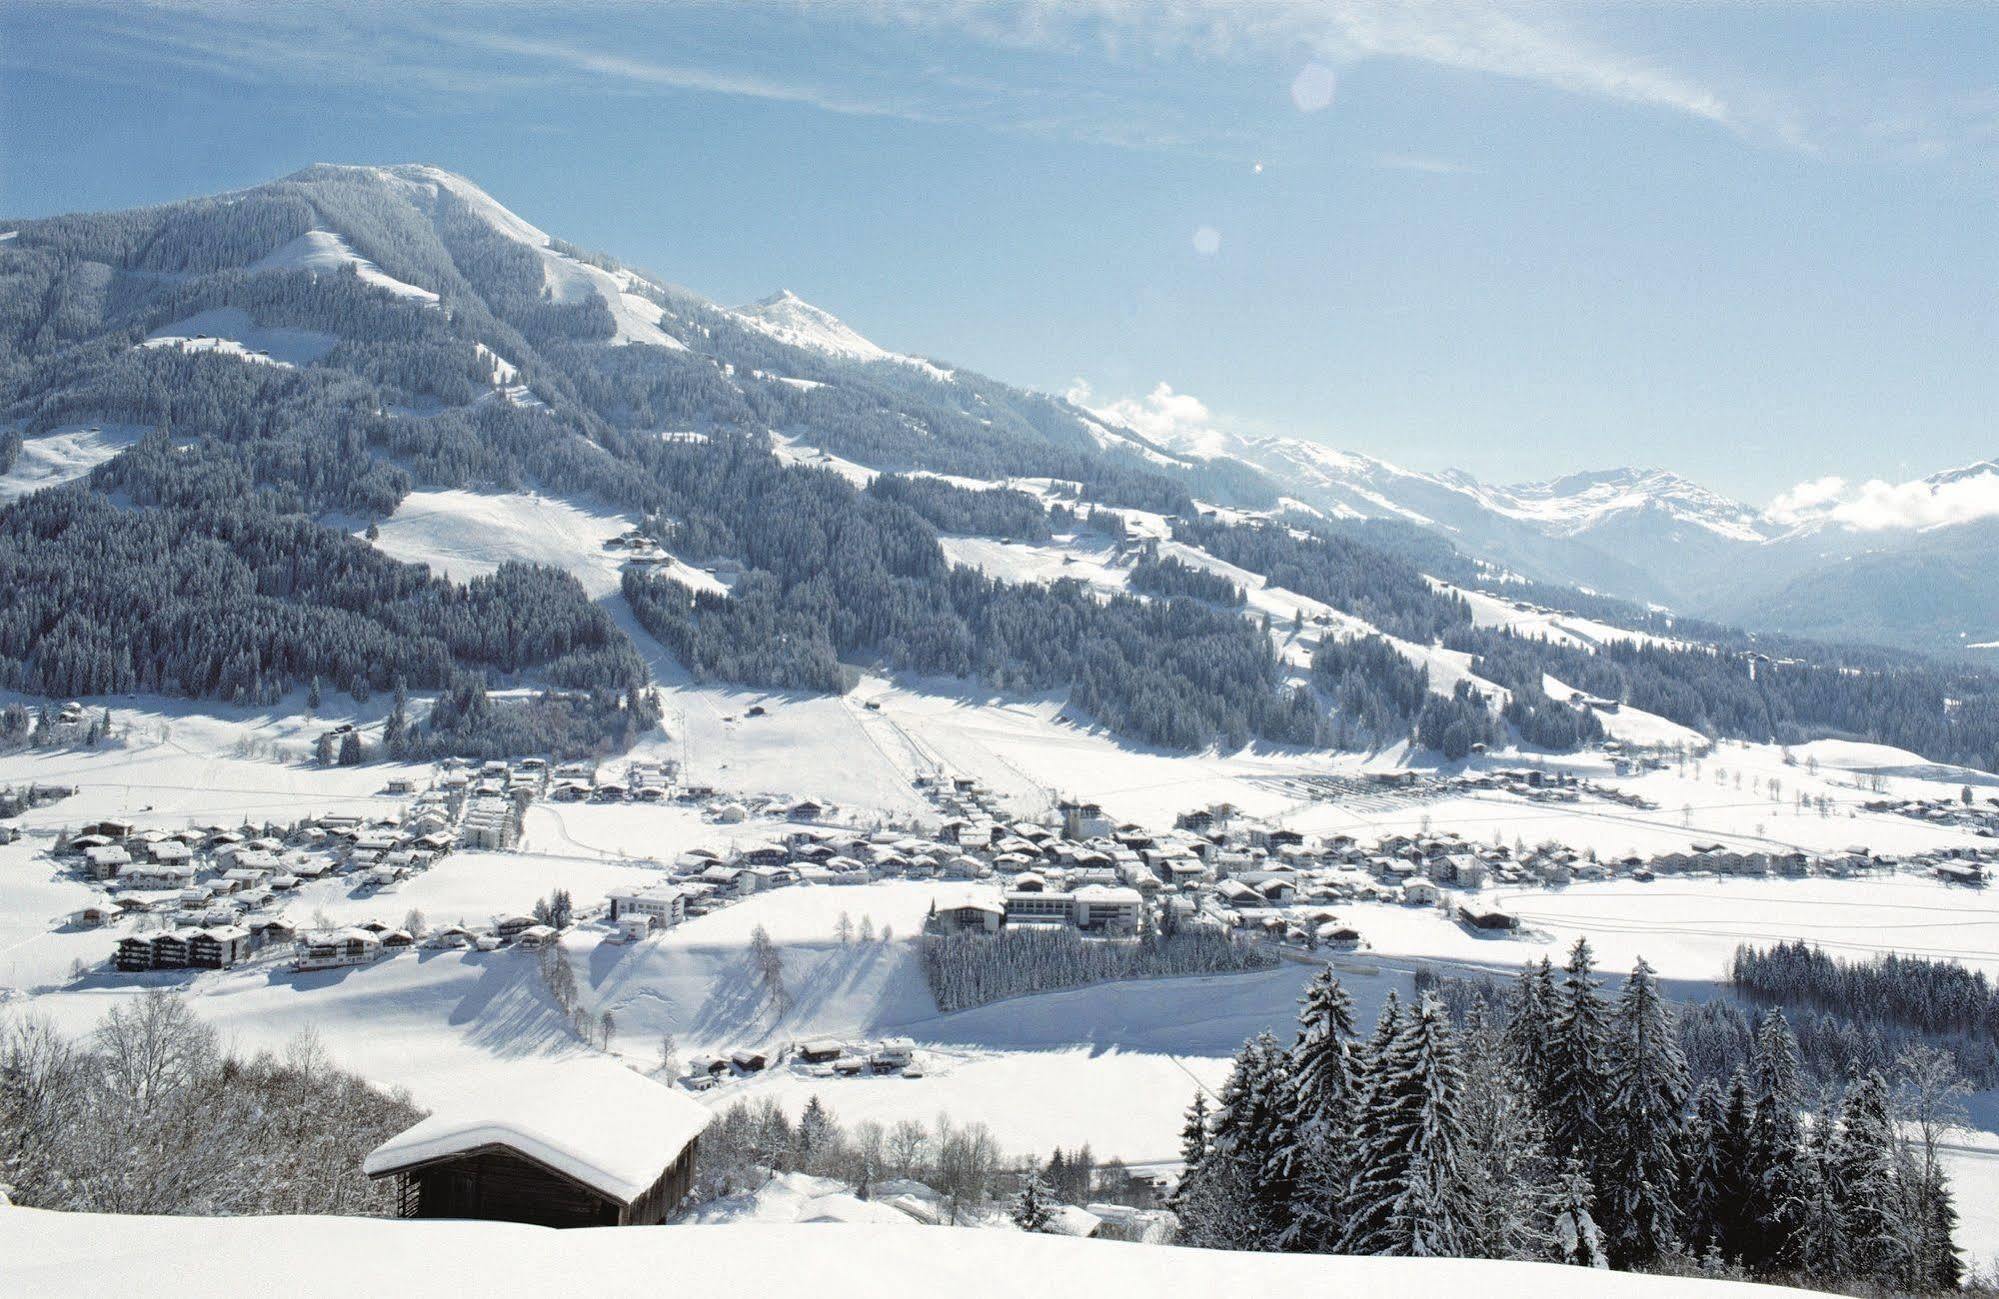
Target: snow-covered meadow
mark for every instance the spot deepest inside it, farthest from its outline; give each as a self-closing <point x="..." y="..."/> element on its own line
<point x="60" y="1255"/>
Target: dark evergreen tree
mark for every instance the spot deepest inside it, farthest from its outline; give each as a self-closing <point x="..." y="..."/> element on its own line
<point x="1776" y="1142"/>
<point x="1867" y="1175"/>
<point x="1576" y="1096"/>
<point x="1033" y="1208"/>
<point x="1414" y="1195"/>
<point x="1638" y="1200"/>
<point x="1324" y="1074"/>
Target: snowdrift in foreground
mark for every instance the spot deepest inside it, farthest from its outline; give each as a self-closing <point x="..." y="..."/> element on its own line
<point x="54" y="1255"/>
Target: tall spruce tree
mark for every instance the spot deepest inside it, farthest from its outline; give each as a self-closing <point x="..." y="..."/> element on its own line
<point x="1530" y="1025"/>
<point x="1867" y="1157"/>
<point x="1323" y="1070"/>
<point x="1415" y="1195"/>
<point x="1776" y="1144"/>
<point x="1638" y="1201"/>
<point x="1576" y="1095"/>
<point x="1735" y="1195"/>
<point x="1513" y="1180"/>
<point x="1702" y="1177"/>
<point x="1242" y="1197"/>
<point x="1822" y="1235"/>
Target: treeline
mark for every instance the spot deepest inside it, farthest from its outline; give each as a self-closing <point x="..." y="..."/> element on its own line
<point x="1572" y="1131"/>
<point x="1832" y="1046"/>
<point x="968" y="969"/>
<point x="995" y="512"/>
<point x="1944" y="713"/>
<point x="242" y="603"/>
<point x="840" y="579"/>
<point x="1939" y="997"/>
<point x="962" y="1162"/>
<point x="466" y="722"/>
<point x="1358" y="579"/>
<point x="1380" y="697"/>
<point x="1169" y="577"/>
<point x="152" y="1114"/>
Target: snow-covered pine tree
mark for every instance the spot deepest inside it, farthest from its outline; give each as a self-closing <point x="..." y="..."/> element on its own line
<point x="1322" y="1069"/>
<point x="1033" y="1207"/>
<point x="1638" y="1198"/>
<point x="1734" y="1139"/>
<point x="1578" y="1241"/>
<point x="1194" y="1133"/>
<point x="1513" y="1178"/>
<point x="1938" y="1265"/>
<point x="1867" y="1160"/>
<point x="1414" y="1194"/>
<point x="1822" y="1239"/>
<point x="1701" y="1175"/>
<point x="1776" y="1141"/>
<point x="1367" y="1062"/>
<point x="1241" y="1198"/>
<point x="1320" y="1060"/>
<point x="1530" y="1024"/>
<point x="1577" y="1092"/>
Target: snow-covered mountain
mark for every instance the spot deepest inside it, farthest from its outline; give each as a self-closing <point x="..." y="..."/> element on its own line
<point x="795" y="322"/>
<point x="443" y="304"/>
<point x="1900" y="564"/>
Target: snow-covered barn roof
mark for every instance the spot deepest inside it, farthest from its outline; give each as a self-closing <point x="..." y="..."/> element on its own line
<point x="602" y="1125"/>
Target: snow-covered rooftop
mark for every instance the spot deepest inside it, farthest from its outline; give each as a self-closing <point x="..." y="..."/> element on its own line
<point x="599" y="1123"/>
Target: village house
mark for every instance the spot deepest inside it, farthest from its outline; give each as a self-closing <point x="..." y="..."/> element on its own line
<point x="334" y="950"/>
<point x="1108" y="907"/>
<point x="972" y="916"/>
<point x="663" y="905"/>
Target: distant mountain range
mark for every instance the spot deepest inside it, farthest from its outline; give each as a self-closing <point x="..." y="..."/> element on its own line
<point x="1908" y="565"/>
<point x="457" y="344"/>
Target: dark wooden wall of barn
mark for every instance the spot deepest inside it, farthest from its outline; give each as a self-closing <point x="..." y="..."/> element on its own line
<point x="500" y="1186"/>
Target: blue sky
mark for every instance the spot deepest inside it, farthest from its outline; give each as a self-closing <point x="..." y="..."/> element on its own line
<point x="1757" y="244"/>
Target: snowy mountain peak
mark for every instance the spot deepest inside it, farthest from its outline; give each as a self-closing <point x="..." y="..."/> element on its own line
<point x="791" y="319"/>
<point x="1586" y="500"/>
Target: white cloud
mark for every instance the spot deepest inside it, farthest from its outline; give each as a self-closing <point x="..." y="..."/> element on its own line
<point x="1523" y="39"/>
<point x="1105" y="95"/>
<point x="1179" y="421"/>
<point x="1877" y="505"/>
<point x="1807" y="499"/>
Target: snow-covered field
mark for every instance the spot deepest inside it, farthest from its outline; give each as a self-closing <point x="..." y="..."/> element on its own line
<point x="324" y="251"/>
<point x="58" y="1255"/>
<point x="463" y="535"/>
<point x="66" y="452"/>
<point x="229" y="331"/>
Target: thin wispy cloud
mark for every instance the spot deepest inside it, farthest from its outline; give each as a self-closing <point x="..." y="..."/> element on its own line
<point x="368" y="39"/>
<point x="1101" y="70"/>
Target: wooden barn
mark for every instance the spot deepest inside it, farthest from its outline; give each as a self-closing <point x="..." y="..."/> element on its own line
<point x="577" y="1145"/>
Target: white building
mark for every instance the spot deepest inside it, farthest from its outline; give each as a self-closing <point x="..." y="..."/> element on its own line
<point x="342" y="947"/>
<point x="664" y="905"/>
<point x="1108" y="906"/>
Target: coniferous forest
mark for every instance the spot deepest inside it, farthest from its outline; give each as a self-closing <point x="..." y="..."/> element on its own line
<point x="1566" y="1125"/>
